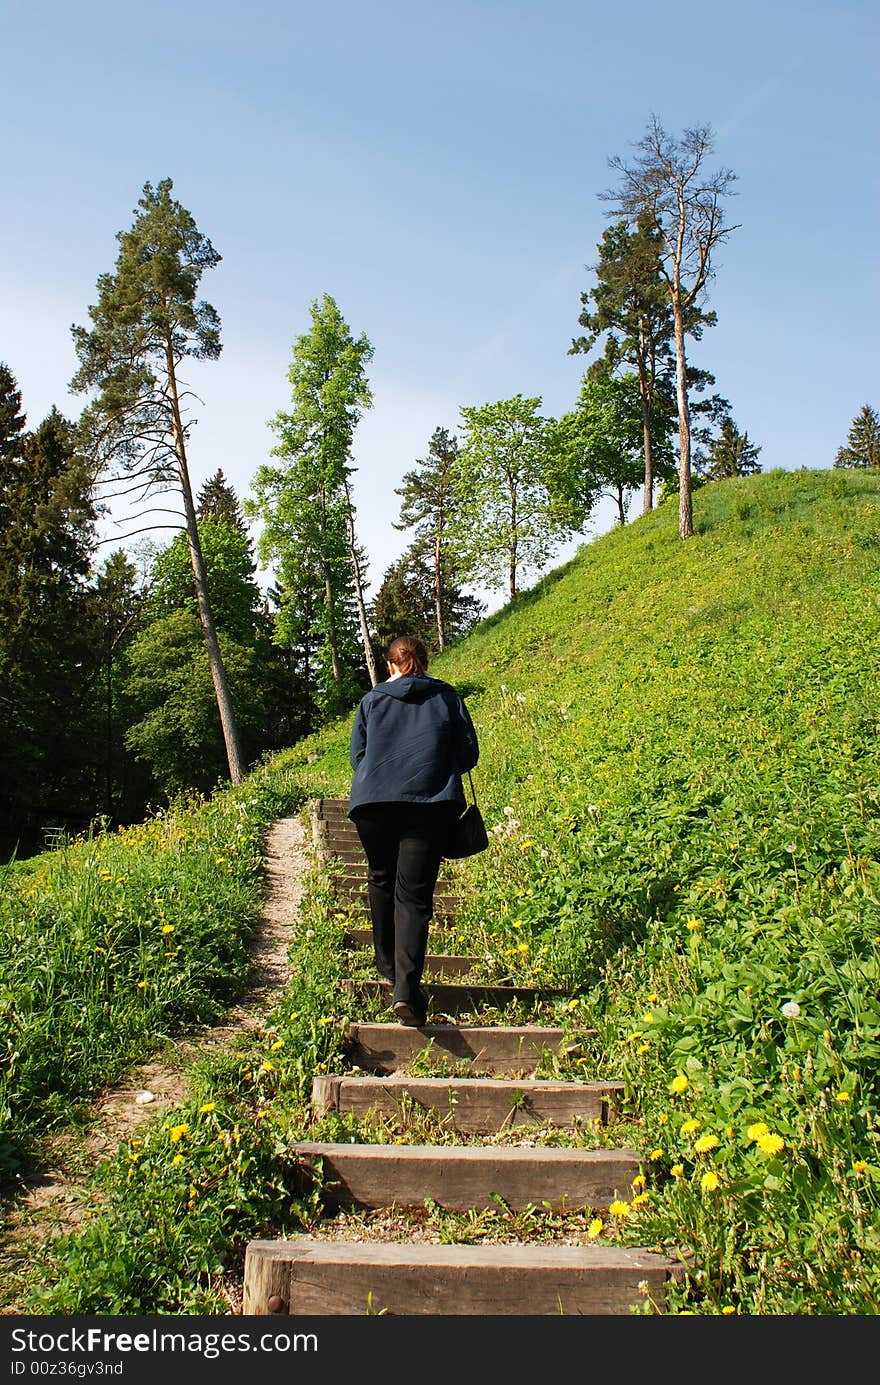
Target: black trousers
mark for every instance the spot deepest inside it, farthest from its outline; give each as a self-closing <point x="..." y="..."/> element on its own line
<point x="403" y="843"/>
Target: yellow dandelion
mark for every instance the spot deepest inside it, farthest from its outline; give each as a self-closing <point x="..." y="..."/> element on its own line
<point x="208" y="1106"/>
<point x="689" y="1127"/>
<point x="522" y="947"/>
<point x="266" y="1066"/>
<point x="631" y="1038"/>
<point x="639" y="1181"/>
<point x="177" y="1133"/>
<point x="651" y="999"/>
<point x="142" y="985"/>
<point x="573" y="1004"/>
<point x="167" y="928"/>
<point x="178" y="1159"/>
<point x="705" y="1143"/>
<point x="694" y="925"/>
<point x="595" y="1226"/>
<point x="647" y="1018"/>
<point x="677" y="1170"/>
<point x="843" y="1097"/>
<point x="328" y="1019"/>
<point x="640" y="1199"/>
<point x="770" y="1144"/>
<point x="709" y="1182"/>
<point x="643" y="1048"/>
<point x="662" y="1118"/>
<point x="131" y="1173"/>
<point x="619" y="1208"/>
<point x="758" y="1129"/>
<point x="728" y="1309"/>
<point x="279" y="1043"/>
<point x="678" y="1084"/>
<point x="263" y="1115"/>
<point x="859" y="1166"/>
<point x="655" y="1155"/>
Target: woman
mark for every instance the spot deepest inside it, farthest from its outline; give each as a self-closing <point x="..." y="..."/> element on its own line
<point x="412" y="737"/>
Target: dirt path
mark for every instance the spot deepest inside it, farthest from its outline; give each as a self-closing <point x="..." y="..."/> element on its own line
<point x="54" y="1203"/>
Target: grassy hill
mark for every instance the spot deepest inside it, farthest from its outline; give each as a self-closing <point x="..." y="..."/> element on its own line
<point x="679" y="762"/>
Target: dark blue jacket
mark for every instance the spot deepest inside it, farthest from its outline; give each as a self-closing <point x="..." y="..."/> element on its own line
<point x="412" y="737"/>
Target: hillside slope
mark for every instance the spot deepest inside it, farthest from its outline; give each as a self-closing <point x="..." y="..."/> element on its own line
<point x="679" y="756"/>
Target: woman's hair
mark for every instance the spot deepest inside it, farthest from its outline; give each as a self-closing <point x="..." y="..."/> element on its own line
<point x="408" y="653"/>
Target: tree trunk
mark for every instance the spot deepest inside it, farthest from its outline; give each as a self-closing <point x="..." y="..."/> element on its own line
<point x="646" y="395"/>
<point x="621" y="512"/>
<point x="331" y="633"/>
<point x="685" y="508"/>
<point x="237" y="768"/>
<point x="359" y="594"/>
<point x="438" y="586"/>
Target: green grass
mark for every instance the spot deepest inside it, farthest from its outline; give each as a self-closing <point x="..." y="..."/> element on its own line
<point x="679" y="759"/>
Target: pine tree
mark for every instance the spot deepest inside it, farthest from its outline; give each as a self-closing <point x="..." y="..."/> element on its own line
<point x="429" y="503"/>
<point x="145" y="324"/>
<point x="217" y="500"/>
<point x="731" y="454"/>
<point x="668" y="185"/>
<point x="405" y="603"/>
<point x="46" y="543"/>
<point x="862" y="442"/>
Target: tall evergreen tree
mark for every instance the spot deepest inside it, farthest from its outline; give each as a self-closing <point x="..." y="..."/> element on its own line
<point x="668" y="185"/>
<point x="145" y="324"/>
<point x="731" y="454"/>
<point x="428" y="506"/>
<point x="303" y="502"/>
<point x="116" y="604"/>
<point x="12" y="419"/>
<point x="405" y="604"/>
<point x="862" y="447"/>
<point x="629" y="306"/>
<point x="217" y="500"/>
<point x="46" y="543"/>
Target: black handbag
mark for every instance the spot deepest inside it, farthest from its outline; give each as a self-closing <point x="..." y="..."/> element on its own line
<point x="468" y="835"/>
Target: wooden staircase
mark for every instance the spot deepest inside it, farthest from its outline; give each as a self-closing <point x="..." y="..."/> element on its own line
<point x="493" y="1089"/>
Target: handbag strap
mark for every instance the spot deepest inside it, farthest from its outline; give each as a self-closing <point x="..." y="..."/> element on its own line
<point x="473" y="793"/>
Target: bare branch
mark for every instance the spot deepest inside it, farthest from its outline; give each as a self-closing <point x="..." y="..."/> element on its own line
<point x="148" y="529"/>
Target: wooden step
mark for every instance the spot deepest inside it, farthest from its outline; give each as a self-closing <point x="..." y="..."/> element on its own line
<point x="357" y="884"/>
<point x="471" y="1105"/>
<point x="464" y="1176"/>
<point x="306" y="1275"/>
<point x="436" y="963"/>
<point x="491" y="1050"/>
<point x="356" y="906"/>
<point x="455" y="998"/>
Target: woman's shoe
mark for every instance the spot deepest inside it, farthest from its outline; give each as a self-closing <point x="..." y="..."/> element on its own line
<point x="407" y="1014"/>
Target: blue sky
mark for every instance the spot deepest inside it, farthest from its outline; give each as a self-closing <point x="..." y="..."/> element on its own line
<point x="435" y="168"/>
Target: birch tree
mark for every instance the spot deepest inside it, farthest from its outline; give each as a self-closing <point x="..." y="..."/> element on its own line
<point x="303" y="500"/>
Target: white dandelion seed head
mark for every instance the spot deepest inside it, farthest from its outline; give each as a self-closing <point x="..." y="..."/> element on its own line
<point x="791" y="1009"/>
